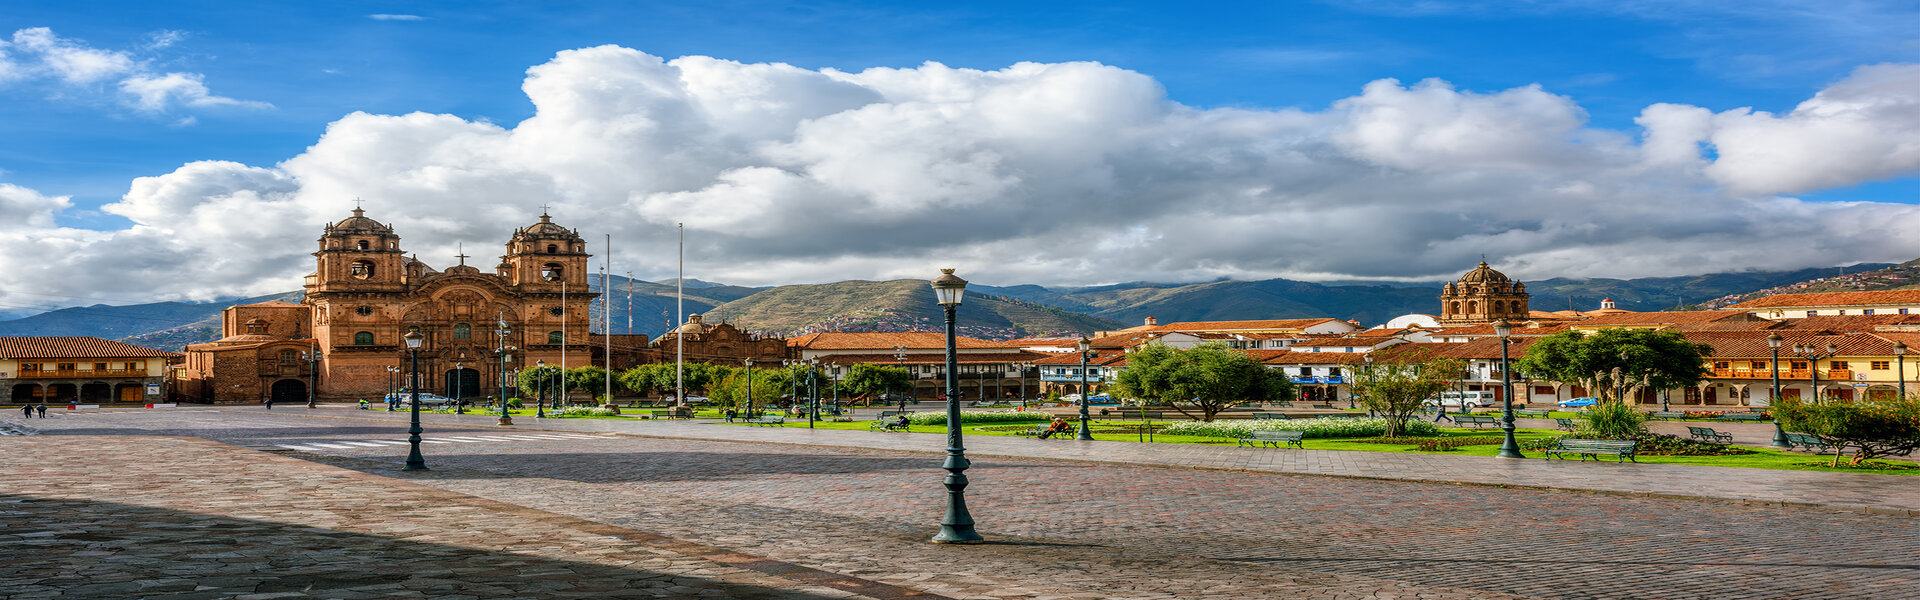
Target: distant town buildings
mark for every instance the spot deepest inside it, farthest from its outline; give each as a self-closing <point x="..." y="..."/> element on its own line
<point x="84" y="370"/>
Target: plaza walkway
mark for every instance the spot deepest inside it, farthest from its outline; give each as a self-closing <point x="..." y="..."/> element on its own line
<point x="1847" y="492"/>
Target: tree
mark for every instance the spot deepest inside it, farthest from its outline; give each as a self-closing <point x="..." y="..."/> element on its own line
<point x="731" y="390"/>
<point x="1873" y="428"/>
<point x="645" y="379"/>
<point x="1206" y="379"/>
<point x="590" y="378"/>
<point x="872" y="380"/>
<point x="1654" y="359"/>
<point x="1398" y="386"/>
<point x="541" y="381"/>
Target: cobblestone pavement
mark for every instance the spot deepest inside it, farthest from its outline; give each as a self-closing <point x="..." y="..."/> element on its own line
<point x="1847" y="492"/>
<point x="1089" y="530"/>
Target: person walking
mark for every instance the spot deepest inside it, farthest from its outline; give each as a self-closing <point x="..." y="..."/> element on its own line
<point x="42" y="410"/>
<point x="1440" y="413"/>
<point x="26" y="411"/>
<point x="269" y="403"/>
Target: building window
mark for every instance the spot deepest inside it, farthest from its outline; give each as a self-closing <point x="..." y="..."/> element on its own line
<point x="1882" y="365"/>
<point x="363" y="311"/>
<point x="1903" y="311"/>
<point x="1721" y="365"/>
<point x="1756" y="365"/>
<point x="553" y="337"/>
<point x="1812" y="313"/>
<point x="552" y="272"/>
<point x="63" y="366"/>
<point x="1843" y="311"/>
<point x="136" y="366"/>
<point x="462" y="331"/>
<point x="289" y="357"/>
<point x="1837" y="364"/>
<point x="1867" y="311"/>
<point x="99" y="366"/>
<point x="362" y="245"/>
<point x="553" y="249"/>
<point x="363" y="338"/>
<point x="1798" y="365"/>
<point x="361" y="269"/>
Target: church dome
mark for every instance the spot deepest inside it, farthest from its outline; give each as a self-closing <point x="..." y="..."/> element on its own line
<point x="693" y="326"/>
<point x="1484" y="275"/>
<point x="545" y="230"/>
<point x="358" y="224"/>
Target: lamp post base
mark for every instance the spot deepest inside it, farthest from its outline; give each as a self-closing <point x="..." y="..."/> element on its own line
<point x="954" y="535"/>
<point x="506" y="420"/>
<point x="1779" y="436"/>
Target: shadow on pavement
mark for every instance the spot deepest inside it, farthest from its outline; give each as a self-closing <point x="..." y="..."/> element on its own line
<point x="86" y="549"/>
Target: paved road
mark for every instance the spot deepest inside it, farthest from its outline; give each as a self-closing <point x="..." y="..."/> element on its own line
<point x="1102" y="530"/>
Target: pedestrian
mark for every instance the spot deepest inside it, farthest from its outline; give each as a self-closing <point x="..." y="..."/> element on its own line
<point x="1059" y="425"/>
<point x="43" y="410"/>
<point x="363" y="404"/>
<point x="1440" y="413"/>
<point x="269" y="403"/>
<point x="27" y="411"/>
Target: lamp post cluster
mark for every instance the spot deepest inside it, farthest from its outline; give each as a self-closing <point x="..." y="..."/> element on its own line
<point x="900" y="358"/>
<point x="393" y="387"/>
<point x="1813" y="355"/>
<point x="501" y="330"/>
<point x="313" y="374"/>
<point x="749" y="363"/>
<point x="1779" y="433"/>
<point x="956" y="527"/>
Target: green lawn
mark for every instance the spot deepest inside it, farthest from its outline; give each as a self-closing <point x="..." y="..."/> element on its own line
<point x="1762" y="458"/>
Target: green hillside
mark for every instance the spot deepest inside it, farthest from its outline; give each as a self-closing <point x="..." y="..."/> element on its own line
<point x="899" y="305"/>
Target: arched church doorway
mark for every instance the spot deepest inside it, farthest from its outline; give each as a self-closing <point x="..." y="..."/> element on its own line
<point x="289" y="391"/>
<point x="461" y="383"/>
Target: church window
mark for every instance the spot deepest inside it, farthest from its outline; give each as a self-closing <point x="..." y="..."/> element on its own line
<point x="1499" y="307"/>
<point x="1473" y="306"/>
<point x="361" y="269"/>
<point x="462" y="331"/>
<point x="551" y="272"/>
<point x="556" y="311"/>
<point x="363" y="311"/>
<point x="553" y="337"/>
<point x="289" y="357"/>
<point x="1455" y="309"/>
<point x="553" y="248"/>
<point x="363" y="338"/>
<point x="362" y="245"/>
<point x="256" y="328"/>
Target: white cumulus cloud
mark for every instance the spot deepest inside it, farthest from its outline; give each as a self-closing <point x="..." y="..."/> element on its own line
<point x="77" y="69"/>
<point x="1059" y="174"/>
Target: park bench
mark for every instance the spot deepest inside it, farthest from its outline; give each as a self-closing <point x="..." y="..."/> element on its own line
<point x="1564" y="424"/>
<point x="1283" y="404"/>
<point x="1274" y="439"/>
<point x="1708" y="434"/>
<point x="671" y="414"/>
<point x="884" y="422"/>
<point x="1751" y="417"/>
<point x="1534" y="413"/>
<point x="1667" y="415"/>
<point x="1476" y="420"/>
<point x="1809" y="442"/>
<point x="768" y="421"/>
<point x="1340" y="416"/>
<point x="1594" y="448"/>
<point x="1324" y="406"/>
<point x="1258" y="416"/>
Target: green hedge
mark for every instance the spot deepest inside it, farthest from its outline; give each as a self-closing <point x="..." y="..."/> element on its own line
<point x="1315" y="428"/>
<point x="585" y="411"/>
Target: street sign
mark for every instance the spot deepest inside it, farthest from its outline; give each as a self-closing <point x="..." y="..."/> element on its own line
<point x="153" y="389"/>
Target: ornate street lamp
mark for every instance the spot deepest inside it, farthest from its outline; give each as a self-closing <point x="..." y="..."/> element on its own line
<point x="459" y="401"/>
<point x="749" y="362"/>
<point x="1779" y="433"/>
<point x="393" y="387"/>
<point x="502" y="330"/>
<point x="1086" y="392"/>
<point x="813" y="391"/>
<point x="1900" y="366"/>
<point x="414" y="461"/>
<point x="313" y="374"/>
<point x="1508" y="447"/>
<point x="900" y="358"/>
<point x="957" y="526"/>
<point x="1813" y="356"/>
<point x="540" y="397"/>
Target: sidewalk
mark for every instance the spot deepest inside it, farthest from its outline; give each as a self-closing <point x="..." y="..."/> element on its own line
<point x="1846" y="492"/>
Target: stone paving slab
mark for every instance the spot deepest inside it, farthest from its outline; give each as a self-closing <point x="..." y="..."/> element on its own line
<point x="1846" y="492"/>
<point x="188" y="518"/>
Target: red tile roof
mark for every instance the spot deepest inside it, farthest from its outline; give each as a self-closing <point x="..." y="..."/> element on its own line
<point x="934" y="359"/>
<point x="1356" y="341"/>
<point x="1832" y="299"/>
<point x="1267" y="325"/>
<point x="73" y="347"/>
<point x="1665" y="318"/>
<point x="1284" y="357"/>
<point x="913" y="340"/>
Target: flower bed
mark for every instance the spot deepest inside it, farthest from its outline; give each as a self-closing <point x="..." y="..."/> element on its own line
<point x="1314" y="428"/>
<point x="979" y="416"/>
<point x="585" y="411"/>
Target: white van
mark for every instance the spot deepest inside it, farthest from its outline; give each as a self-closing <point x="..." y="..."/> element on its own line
<point x="1466" y="399"/>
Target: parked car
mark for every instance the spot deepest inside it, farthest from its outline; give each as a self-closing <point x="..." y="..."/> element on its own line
<point x="1464" y="399"/>
<point x="1581" y="402"/>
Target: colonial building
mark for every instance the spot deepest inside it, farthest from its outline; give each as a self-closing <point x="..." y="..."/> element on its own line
<point x="720" y="344"/>
<point x="1795" y="306"/>
<point x="1483" y="295"/>
<point x="89" y="370"/>
<point x="366" y="294"/>
<point x="985" y="369"/>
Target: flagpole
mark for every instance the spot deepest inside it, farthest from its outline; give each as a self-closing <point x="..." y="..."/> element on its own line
<point x="680" y="310"/>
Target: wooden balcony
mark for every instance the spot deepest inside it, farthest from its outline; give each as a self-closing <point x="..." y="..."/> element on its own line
<point x="77" y="374"/>
<point x="1760" y="374"/>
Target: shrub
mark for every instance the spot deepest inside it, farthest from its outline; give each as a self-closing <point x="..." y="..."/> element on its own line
<point x="513" y="403"/>
<point x="979" y="416"/>
<point x="585" y="411"/>
<point x="1314" y="428"/>
<point x="1653" y="444"/>
<point x="1612" y="420"/>
<point x="1874" y="428"/>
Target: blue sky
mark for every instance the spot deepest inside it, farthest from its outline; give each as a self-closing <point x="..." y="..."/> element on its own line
<point x="275" y="76"/>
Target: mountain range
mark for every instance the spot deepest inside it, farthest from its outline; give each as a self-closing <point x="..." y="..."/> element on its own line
<point x="1001" y="312"/>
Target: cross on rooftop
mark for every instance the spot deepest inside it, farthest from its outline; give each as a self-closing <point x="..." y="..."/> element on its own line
<point x="462" y="253"/>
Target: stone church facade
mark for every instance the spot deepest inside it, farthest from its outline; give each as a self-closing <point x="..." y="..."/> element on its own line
<point x="1481" y="296"/>
<point x="366" y="293"/>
